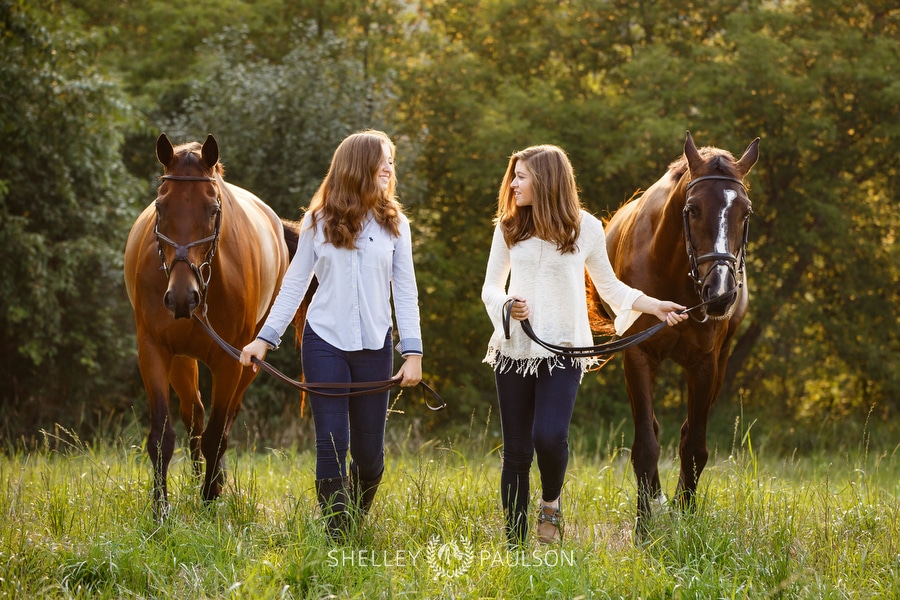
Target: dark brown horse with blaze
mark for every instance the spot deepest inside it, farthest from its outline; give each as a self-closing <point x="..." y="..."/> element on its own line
<point x="203" y="248"/>
<point x="684" y="239"/>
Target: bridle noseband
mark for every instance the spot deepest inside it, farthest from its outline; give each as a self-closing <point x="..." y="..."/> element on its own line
<point x="204" y="271"/>
<point x="735" y="264"/>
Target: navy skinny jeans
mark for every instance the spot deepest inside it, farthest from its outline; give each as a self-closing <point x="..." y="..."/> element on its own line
<point x="353" y="424"/>
<point x="535" y="413"/>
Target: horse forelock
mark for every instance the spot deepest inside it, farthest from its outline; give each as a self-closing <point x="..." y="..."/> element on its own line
<point x="188" y="157"/>
<point x="717" y="159"/>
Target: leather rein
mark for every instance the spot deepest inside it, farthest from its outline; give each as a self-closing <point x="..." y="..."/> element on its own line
<point x="606" y="348"/>
<point x="357" y="389"/>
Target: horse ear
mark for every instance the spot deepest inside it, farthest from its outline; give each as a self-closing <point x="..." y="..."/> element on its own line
<point x="691" y="153"/>
<point x="749" y="158"/>
<point x="210" y="151"/>
<point x="165" y="151"/>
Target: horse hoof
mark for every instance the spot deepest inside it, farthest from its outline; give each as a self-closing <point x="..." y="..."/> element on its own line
<point x="212" y="493"/>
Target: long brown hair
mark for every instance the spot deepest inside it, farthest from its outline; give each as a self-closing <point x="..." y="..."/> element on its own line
<point x="350" y="190"/>
<point x="555" y="212"/>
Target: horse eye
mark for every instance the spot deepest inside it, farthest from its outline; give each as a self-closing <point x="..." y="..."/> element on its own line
<point x="691" y="210"/>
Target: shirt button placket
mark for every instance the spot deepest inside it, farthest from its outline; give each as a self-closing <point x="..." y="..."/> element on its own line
<point x="354" y="286"/>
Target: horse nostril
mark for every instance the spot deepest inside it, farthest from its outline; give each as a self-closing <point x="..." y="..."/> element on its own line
<point x="168" y="302"/>
<point x="719" y="289"/>
<point x="181" y="306"/>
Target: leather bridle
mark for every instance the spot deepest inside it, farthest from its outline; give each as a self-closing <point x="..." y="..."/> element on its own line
<point x="734" y="264"/>
<point x="203" y="272"/>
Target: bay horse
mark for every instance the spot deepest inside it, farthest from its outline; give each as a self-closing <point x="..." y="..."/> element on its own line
<point x="204" y="248"/>
<point x="684" y="239"/>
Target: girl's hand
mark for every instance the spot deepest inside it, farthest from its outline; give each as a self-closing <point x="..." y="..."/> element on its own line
<point x="255" y="349"/>
<point x="410" y="372"/>
<point x="669" y="312"/>
<point x="519" y="310"/>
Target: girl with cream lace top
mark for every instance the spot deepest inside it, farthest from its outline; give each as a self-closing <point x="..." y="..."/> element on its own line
<point x="543" y="242"/>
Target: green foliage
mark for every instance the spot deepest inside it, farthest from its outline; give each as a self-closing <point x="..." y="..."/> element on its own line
<point x="822" y="271"/>
<point x="278" y="123"/>
<point x="460" y="85"/>
<point x="63" y="219"/>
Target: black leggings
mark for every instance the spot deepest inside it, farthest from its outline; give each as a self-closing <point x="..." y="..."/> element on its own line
<point x="535" y="412"/>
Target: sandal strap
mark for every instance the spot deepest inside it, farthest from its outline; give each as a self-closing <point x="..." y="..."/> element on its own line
<point x="549" y="517"/>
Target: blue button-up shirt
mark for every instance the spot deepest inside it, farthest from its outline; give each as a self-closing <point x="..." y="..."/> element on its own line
<point x="351" y="308"/>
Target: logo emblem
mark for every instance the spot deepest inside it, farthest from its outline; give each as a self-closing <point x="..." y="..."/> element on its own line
<point x="449" y="560"/>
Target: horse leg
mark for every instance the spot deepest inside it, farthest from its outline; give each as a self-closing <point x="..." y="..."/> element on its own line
<point x="230" y="380"/>
<point x="161" y="439"/>
<point x="705" y="381"/>
<point x="184" y="376"/>
<point x="640" y="374"/>
<point x="692" y="448"/>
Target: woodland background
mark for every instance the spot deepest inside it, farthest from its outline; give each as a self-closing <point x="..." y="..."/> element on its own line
<point x="86" y="86"/>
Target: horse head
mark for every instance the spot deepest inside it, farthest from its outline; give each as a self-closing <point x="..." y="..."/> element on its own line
<point x="716" y="220"/>
<point x="188" y="217"/>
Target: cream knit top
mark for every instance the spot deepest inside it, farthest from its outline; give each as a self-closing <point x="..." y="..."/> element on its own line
<point x="553" y="285"/>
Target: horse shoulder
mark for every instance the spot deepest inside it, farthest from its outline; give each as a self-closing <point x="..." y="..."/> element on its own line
<point x="630" y="235"/>
<point x="257" y="212"/>
<point x="623" y="240"/>
<point x="266" y="259"/>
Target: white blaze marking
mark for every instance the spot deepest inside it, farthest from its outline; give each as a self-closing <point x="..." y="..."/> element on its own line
<point x="721" y="244"/>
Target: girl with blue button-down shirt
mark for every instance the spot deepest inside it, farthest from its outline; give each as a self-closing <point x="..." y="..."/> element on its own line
<point x="355" y="240"/>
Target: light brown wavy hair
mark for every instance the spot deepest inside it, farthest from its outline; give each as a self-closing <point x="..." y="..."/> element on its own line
<point x="555" y="212"/>
<point x="350" y="190"/>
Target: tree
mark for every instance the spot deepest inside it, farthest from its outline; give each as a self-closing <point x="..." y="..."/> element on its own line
<point x="460" y="85"/>
<point x="826" y="237"/>
<point x="617" y="85"/>
<point x="64" y="197"/>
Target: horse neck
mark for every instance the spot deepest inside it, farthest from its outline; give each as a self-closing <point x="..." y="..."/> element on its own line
<point x="667" y="246"/>
<point x="669" y="225"/>
<point x="230" y="206"/>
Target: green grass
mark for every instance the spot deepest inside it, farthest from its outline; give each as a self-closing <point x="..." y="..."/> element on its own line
<point x="77" y="523"/>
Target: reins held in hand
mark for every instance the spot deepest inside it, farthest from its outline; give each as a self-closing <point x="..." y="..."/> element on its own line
<point x="357" y="389"/>
<point x="598" y="350"/>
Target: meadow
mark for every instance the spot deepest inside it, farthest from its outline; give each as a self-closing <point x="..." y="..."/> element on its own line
<point x="77" y="523"/>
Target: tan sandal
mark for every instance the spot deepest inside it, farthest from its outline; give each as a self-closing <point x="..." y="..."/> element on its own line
<point x="549" y="527"/>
